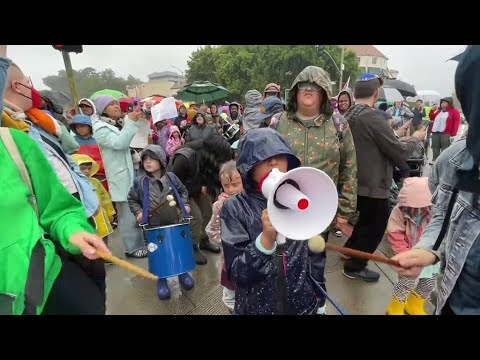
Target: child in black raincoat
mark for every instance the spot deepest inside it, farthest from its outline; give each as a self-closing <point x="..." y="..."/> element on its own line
<point x="269" y="279"/>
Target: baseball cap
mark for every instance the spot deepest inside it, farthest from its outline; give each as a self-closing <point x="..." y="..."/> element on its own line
<point x="269" y="107"/>
<point x="369" y="77"/>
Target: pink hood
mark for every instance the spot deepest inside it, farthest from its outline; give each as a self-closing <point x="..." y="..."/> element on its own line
<point x="415" y="193"/>
<point x="173" y="129"/>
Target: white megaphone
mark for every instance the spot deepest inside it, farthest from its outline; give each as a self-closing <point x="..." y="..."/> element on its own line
<point x="301" y="203"/>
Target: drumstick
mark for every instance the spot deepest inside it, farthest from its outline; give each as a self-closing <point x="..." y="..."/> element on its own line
<point x="361" y="254"/>
<point x="169" y="200"/>
<point x="127" y="266"/>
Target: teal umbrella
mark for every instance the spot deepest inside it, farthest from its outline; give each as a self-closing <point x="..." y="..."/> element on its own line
<point x="116" y="94"/>
<point x="202" y="92"/>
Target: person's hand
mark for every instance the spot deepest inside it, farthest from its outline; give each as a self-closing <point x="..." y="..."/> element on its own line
<point x="403" y="129"/>
<point x="204" y="190"/>
<point x="88" y="244"/>
<point x="420" y="134"/>
<point x="135" y="115"/>
<point x="269" y="233"/>
<point x="413" y="261"/>
<point x="187" y="208"/>
<point x="139" y="216"/>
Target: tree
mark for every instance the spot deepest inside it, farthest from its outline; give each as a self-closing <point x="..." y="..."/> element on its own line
<point x="244" y="67"/>
<point x="89" y="80"/>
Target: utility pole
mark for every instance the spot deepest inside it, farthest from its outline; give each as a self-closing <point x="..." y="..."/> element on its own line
<point x="342" y="67"/>
<point x="66" y="50"/>
<point x="71" y="80"/>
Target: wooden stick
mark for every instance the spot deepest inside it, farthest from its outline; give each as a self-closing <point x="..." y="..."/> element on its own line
<point x="127" y="266"/>
<point x="151" y="212"/>
<point x="361" y="254"/>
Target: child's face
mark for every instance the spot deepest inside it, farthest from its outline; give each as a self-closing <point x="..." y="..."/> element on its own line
<point x="232" y="185"/>
<point x="176" y="136"/>
<point x="262" y="169"/>
<point x="83" y="130"/>
<point x="151" y="165"/>
<point x="86" y="169"/>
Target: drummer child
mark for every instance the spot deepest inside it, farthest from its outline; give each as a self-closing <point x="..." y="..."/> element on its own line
<point x="162" y="210"/>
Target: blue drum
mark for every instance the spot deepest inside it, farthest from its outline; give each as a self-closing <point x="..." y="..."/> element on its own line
<point x="170" y="250"/>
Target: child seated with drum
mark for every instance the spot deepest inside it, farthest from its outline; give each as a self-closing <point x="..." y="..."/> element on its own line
<point x="232" y="185"/>
<point x="162" y="209"/>
<point x="269" y="278"/>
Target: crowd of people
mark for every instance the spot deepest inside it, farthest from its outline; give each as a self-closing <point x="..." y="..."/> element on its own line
<point x="115" y="169"/>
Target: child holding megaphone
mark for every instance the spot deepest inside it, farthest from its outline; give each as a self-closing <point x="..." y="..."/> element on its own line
<point x="269" y="278"/>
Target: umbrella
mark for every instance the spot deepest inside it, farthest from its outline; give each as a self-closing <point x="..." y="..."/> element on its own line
<point x="57" y="97"/>
<point x="202" y="92"/>
<point x="116" y="94"/>
<point x="459" y="56"/>
<point x="157" y="99"/>
<point x="389" y="95"/>
<point x="404" y="88"/>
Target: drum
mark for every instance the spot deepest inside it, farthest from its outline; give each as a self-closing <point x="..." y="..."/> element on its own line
<point x="231" y="131"/>
<point x="170" y="250"/>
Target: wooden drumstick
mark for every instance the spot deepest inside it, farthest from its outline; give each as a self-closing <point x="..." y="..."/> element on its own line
<point x="361" y="254"/>
<point x="170" y="201"/>
<point x="127" y="266"/>
<point x="317" y="244"/>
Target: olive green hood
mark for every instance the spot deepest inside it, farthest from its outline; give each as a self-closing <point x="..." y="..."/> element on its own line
<point x="315" y="75"/>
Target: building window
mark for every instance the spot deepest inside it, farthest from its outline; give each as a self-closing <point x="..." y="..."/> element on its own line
<point x="374" y="61"/>
<point x="358" y="58"/>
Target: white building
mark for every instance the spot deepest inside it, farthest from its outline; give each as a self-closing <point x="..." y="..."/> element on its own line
<point x="372" y="60"/>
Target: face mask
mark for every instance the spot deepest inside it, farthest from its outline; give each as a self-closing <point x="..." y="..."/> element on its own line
<point x="35" y="96"/>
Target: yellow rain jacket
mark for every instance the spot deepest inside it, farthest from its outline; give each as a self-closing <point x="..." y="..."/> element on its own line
<point x="106" y="211"/>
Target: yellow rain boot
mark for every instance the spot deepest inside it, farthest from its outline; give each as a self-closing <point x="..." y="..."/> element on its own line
<point x="415" y="304"/>
<point x="395" y="307"/>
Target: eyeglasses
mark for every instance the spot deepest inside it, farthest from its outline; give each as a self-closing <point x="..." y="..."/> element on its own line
<point x="305" y="85"/>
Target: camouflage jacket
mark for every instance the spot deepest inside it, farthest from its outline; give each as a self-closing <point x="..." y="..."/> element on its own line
<point x="317" y="144"/>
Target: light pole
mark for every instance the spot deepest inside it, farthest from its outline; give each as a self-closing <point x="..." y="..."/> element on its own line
<point x="339" y="69"/>
<point x="177" y="68"/>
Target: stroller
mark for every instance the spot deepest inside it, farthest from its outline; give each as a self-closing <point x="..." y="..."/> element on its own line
<point x="415" y="162"/>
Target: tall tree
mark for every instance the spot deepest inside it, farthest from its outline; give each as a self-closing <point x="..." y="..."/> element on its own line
<point x="244" y="67"/>
<point x="89" y="80"/>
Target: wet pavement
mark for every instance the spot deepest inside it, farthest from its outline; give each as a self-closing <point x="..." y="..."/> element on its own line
<point x="133" y="295"/>
<point x="128" y="294"/>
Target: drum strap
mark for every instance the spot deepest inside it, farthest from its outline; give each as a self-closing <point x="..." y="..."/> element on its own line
<point x="177" y="197"/>
<point x="145" y="200"/>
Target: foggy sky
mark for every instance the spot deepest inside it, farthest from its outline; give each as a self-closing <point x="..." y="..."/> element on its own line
<point x="424" y="66"/>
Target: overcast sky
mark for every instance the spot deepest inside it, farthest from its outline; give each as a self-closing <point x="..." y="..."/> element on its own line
<point x="424" y="66"/>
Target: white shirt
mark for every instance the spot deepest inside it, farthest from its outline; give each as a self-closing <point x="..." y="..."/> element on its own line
<point x="440" y="122"/>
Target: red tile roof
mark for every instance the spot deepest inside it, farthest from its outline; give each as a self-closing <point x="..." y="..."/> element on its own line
<point x="365" y="50"/>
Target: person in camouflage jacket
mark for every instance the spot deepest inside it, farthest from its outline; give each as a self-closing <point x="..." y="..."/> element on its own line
<point x="321" y="139"/>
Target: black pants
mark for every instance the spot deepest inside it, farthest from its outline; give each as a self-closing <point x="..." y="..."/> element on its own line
<point x="369" y="230"/>
<point x="318" y="262"/>
<point x="74" y="293"/>
<point x="93" y="269"/>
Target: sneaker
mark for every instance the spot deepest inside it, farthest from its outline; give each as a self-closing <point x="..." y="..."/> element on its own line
<point x="139" y="254"/>
<point x="228" y="298"/>
<point x="364" y="274"/>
